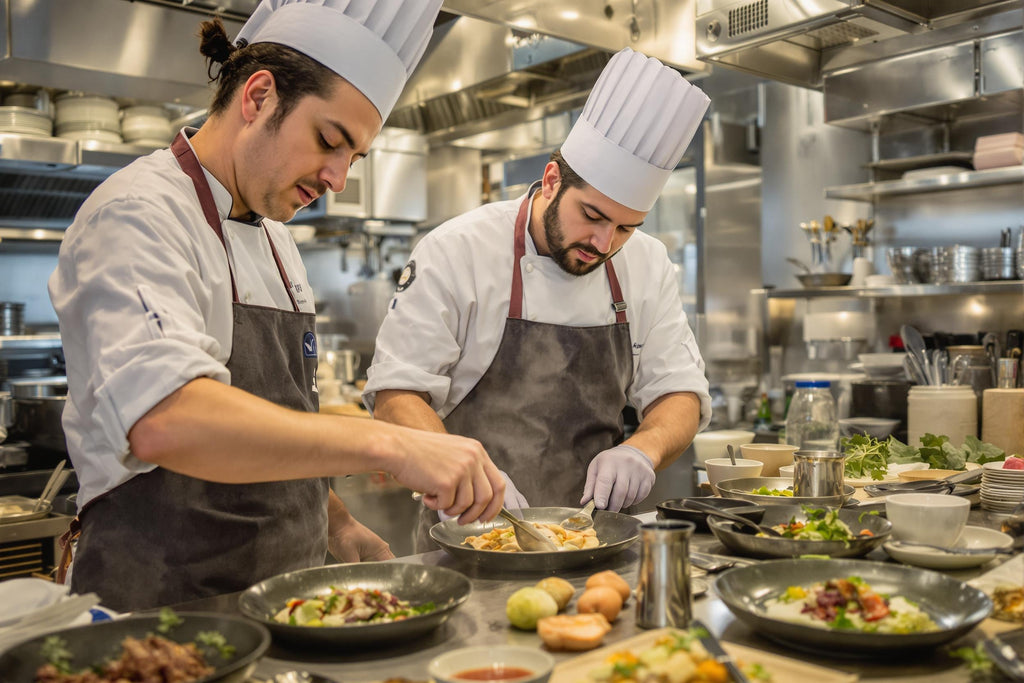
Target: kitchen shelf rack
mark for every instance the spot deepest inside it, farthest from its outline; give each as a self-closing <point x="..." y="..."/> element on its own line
<point x="867" y="192"/>
<point x="992" y="287"/>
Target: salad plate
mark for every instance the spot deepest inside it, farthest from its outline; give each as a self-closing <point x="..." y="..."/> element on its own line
<point x="832" y="521"/>
<point x="750" y="593"/>
<point x="746" y="489"/>
<point x="417" y="584"/>
<point x="972" y="537"/>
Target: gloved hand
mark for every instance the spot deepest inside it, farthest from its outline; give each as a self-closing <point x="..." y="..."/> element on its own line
<point x="354" y="542"/>
<point x="618" y="478"/>
<point x="513" y="499"/>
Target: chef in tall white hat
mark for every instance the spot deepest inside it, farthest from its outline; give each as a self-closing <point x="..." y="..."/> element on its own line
<point x="188" y="326"/>
<point x="530" y="324"/>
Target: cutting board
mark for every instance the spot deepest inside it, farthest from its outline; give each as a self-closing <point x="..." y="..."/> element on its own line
<point x="781" y="668"/>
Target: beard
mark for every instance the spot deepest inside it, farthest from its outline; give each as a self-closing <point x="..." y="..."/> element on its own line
<point x="561" y="252"/>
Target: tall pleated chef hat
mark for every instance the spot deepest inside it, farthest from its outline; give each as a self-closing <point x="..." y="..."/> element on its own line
<point x="636" y="125"/>
<point x="373" y="44"/>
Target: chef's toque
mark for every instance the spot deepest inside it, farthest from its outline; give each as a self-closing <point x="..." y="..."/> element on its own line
<point x="635" y="126"/>
<point x="373" y="44"/>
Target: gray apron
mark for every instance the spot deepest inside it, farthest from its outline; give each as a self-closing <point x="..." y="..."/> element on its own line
<point x="162" y="538"/>
<point x="551" y="399"/>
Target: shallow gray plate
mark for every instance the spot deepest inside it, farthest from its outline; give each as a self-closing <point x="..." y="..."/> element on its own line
<point x="417" y="583"/>
<point x="747" y="543"/>
<point x="96" y="643"/>
<point x="741" y="488"/>
<point x="615" y="531"/>
<point x="955" y="606"/>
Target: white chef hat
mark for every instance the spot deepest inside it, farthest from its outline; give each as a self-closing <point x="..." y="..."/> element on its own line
<point x="635" y="126"/>
<point x="373" y="44"/>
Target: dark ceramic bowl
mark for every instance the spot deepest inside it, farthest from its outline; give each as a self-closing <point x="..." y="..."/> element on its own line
<point x="674" y="509"/>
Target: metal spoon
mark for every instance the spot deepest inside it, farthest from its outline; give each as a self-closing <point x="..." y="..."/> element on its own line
<point x="732" y="454"/>
<point x="580" y="520"/>
<point x="300" y="677"/>
<point x="527" y="536"/>
<point x="715" y="512"/>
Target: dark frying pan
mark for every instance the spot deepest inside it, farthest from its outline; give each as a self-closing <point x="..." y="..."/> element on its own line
<point x="96" y="643"/>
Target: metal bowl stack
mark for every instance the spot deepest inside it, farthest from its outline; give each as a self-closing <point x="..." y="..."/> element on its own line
<point x="901" y="262"/>
<point x="998" y="263"/>
<point x="956" y="264"/>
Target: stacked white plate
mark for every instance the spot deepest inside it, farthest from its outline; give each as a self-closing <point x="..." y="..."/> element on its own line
<point x="25" y="121"/>
<point x="1001" y="490"/>
<point x="145" y="125"/>
<point x="87" y="117"/>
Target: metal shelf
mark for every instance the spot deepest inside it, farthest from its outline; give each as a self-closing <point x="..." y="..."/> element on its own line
<point x="866" y="192"/>
<point x="993" y="287"/>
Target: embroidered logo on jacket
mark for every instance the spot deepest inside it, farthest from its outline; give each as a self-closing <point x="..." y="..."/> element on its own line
<point x="407" y="276"/>
<point x="309" y="345"/>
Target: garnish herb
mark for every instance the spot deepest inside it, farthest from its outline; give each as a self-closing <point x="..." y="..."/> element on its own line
<point x="215" y="641"/>
<point x="168" y="620"/>
<point x="55" y="651"/>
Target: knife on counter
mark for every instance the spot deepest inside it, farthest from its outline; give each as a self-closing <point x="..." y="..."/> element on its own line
<point x="718" y="653"/>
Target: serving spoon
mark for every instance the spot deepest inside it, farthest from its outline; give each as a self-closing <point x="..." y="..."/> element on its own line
<point x="581" y="519"/>
<point x="715" y="512"/>
<point x="527" y="536"/>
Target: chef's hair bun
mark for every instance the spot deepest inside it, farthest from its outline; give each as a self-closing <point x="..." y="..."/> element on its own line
<point x="214" y="43"/>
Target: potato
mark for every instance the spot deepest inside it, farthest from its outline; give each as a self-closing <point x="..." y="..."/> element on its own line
<point x="527" y="605"/>
<point x="612" y="580"/>
<point x="560" y="589"/>
<point x="574" y="632"/>
<point x="600" y="599"/>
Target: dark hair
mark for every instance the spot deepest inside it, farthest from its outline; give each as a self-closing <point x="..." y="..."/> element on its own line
<point x="295" y="74"/>
<point x="569" y="177"/>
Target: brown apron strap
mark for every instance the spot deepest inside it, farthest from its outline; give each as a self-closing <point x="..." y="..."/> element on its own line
<point x="192" y="168"/>
<point x="515" y="304"/>
<point x="67" y="539"/>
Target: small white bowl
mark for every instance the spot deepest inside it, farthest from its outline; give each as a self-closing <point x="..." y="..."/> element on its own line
<point x="787" y="471"/>
<point x="773" y="455"/>
<point x="932" y="518"/>
<point x="720" y="469"/>
<point x="707" y="445"/>
<point x="445" y="668"/>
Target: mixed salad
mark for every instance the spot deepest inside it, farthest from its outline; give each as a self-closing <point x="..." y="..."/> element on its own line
<point x="867" y="457"/>
<point x="819" y="525"/>
<point x="765" y="491"/>
<point x="349" y="606"/>
<point x="849" y="604"/>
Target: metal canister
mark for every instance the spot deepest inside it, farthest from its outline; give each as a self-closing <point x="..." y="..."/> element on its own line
<point x="818" y="474"/>
<point x="663" y="592"/>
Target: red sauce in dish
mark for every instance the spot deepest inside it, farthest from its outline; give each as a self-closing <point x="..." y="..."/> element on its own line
<point x="494" y="673"/>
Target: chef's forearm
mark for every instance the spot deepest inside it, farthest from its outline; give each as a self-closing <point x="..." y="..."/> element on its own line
<point x="209" y="430"/>
<point x="668" y="426"/>
<point x="407" y="408"/>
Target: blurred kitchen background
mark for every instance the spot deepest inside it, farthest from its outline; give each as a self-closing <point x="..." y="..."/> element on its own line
<point x="842" y="142"/>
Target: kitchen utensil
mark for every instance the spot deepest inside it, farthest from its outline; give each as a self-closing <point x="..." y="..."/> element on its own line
<point x="46" y="496"/>
<point x="711" y="563"/>
<point x="93" y="644"/>
<point x="732" y="517"/>
<point x="676" y="508"/>
<point x="1004" y="657"/>
<point x="20" y="509"/>
<point x="583" y="519"/>
<point x="954" y="606"/>
<point x="416" y="583"/>
<point x="714" y="648"/>
<point x="744" y="490"/>
<point x="945" y="485"/>
<point x="740" y="542"/>
<point x="1008" y="373"/>
<point x="913" y="369"/>
<point x="990" y="342"/>
<point x="732" y="454"/>
<point x="300" y="677"/>
<point x="615" y="532"/>
<point x="663" y="589"/>
<point x="913" y="342"/>
<point x="799" y="264"/>
<point x="527" y="536"/>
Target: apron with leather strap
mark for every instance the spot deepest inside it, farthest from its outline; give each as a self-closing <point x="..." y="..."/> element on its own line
<point x="163" y="538"/>
<point x="551" y="399"/>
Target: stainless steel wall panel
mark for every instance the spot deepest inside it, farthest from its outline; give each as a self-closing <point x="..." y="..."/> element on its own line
<point x="933" y="77"/>
<point x="398" y="186"/>
<point x="1002" y="63"/>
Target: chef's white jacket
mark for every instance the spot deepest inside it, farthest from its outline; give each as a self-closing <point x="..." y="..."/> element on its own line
<point x="143" y="295"/>
<point x="443" y="327"/>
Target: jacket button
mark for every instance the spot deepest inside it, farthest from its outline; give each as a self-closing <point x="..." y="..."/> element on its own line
<point x="529" y="267"/>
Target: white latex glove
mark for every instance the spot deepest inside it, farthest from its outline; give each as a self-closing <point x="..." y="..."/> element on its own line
<point x="513" y="499"/>
<point x="618" y="478"/>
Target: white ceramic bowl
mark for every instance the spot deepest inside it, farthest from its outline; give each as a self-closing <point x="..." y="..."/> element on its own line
<point x="707" y="445"/>
<point x="787" y="471"/>
<point x="878" y="427"/>
<point x="721" y="469"/>
<point x="932" y="518"/>
<point x="444" y="668"/>
<point x="773" y="455"/>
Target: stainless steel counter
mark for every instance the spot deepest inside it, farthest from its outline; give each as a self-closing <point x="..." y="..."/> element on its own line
<point x="482" y="621"/>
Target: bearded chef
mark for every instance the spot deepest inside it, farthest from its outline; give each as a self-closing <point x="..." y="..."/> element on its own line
<point x="188" y="326"/>
<point x="529" y="324"/>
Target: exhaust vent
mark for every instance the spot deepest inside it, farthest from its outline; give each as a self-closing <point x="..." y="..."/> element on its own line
<point x="749" y="17"/>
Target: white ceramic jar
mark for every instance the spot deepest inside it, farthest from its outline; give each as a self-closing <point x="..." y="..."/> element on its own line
<point x="941" y="410"/>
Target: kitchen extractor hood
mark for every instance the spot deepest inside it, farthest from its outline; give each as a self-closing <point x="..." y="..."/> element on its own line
<point x="799" y="41"/>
